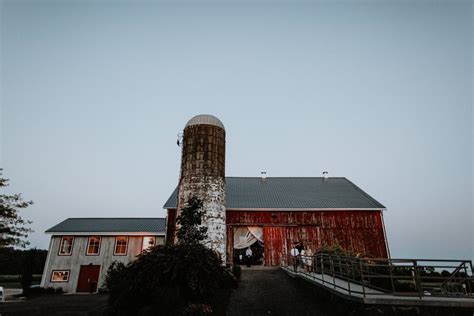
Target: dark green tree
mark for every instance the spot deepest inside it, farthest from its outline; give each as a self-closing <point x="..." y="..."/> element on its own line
<point x="189" y="221"/>
<point x="11" y="260"/>
<point x="28" y="266"/>
<point x="13" y="228"/>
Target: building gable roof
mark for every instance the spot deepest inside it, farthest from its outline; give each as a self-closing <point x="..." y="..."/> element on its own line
<point x="292" y="193"/>
<point x="110" y="225"/>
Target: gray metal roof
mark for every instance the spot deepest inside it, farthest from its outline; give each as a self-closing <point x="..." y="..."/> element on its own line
<point x="292" y="193"/>
<point x="129" y="225"/>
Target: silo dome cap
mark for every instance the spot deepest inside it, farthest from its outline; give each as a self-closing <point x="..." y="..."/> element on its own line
<point x="205" y="119"/>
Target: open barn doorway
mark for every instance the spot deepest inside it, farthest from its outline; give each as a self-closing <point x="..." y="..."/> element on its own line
<point x="248" y="237"/>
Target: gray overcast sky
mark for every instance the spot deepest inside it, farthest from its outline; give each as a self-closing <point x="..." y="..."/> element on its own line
<point x="94" y="93"/>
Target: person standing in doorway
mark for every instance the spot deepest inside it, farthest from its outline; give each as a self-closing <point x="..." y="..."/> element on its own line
<point x="248" y="256"/>
<point x="294" y="256"/>
<point x="300" y="246"/>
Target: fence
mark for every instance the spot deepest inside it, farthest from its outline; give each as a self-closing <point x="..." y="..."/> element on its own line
<point x="399" y="277"/>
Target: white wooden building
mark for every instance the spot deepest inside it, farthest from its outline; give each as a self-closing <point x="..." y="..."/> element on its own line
<point x="82" y="249"/>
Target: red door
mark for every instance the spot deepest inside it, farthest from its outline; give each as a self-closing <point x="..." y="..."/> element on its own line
<point x="88" y="279"/>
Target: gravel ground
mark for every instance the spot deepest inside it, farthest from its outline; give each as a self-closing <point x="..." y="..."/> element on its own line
<point x="271" y="292"/>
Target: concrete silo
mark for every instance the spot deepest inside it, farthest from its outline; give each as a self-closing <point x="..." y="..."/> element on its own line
<point x="203" y="175"/>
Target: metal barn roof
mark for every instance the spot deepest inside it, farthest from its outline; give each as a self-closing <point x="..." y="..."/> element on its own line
<point x="109" y="225"/>
<point x="292" y="193"/>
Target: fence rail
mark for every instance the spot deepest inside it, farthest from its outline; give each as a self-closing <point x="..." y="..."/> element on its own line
<point x="383" y="276"/>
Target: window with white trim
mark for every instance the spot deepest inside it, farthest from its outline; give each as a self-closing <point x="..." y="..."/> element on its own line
<point x="121" y="243"/>
<point x="93" y="246"/>
<point x="65" y="246"/>
<point x="60" y="276"/>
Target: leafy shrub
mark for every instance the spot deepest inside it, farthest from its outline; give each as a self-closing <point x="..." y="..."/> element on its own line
<point x="337" y="250"/>
<point x="114" y="274"/>
<point x="168" y="277"/>
<point x="35" y="291"/>
<point x="185" y="278"/>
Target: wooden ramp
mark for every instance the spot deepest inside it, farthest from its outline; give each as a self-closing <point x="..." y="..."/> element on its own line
<point x="355" y="292"/>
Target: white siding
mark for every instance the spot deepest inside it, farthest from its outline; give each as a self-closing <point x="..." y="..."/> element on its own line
<point x="79" y="257"/>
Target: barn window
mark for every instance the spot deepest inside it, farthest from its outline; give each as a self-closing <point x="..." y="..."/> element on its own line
<point x="121" y="245"/>
<point x="93" y="246"/>
<point x="148" y="242"/>
<point x="60" y="276"/>
<point x="65" y="246"/>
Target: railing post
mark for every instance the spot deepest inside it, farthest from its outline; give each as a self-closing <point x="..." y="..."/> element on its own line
<point x="322" y="267"/>
<point x="368" y="274"/>
<point x="352" y="270"/>
<point x="417" y="279"/>
<point x="390" y="266"/>
<point x="362" y="276"/>
<point x="353" y="275"/>
<point x="468" y="287"/>
<point x="331" y="262"/>
<point x="340" y="267"/>
<point x="348" y="281"/>
<point x="470" y="279"/>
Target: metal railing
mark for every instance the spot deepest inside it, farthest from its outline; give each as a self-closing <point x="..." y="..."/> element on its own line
<point x="383" y="276"/>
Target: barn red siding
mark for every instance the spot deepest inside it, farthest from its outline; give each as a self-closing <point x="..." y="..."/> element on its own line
<point x="359" y="231"/>
<point x="170" y="226"/>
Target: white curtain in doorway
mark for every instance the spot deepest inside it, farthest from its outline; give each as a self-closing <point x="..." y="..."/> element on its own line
<point x="246" y="236"/>
<point x="257" y="232"/>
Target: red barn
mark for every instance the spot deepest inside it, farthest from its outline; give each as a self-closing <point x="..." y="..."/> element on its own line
<point x="270" y="214"/>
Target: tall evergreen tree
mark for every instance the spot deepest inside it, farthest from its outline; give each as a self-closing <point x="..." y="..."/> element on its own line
<point x="13" y="228"/>
<point x="190" y="230"/>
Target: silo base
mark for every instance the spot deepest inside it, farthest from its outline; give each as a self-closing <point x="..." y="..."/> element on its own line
<point x="211" y="191"/>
